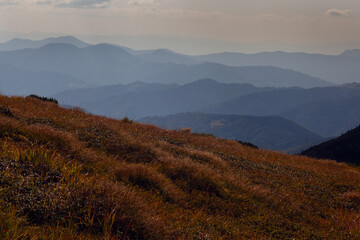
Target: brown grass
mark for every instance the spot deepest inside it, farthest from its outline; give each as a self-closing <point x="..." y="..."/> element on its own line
<point x="65" y="174"/>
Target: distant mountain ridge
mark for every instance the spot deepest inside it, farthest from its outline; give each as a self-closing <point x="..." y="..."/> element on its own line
<point x="281" y="99"/>
<point x="307" y="107"/>
<point x="166" y="56"/>
<point x="15" y="81"/>
<point x="327" y="112"/>
<point x="269" y="132"/>
<point x="17" y="43"/>
<point x="153" y="99"/>
<point x="337" y="69"/>
<point x="140" y="83"/>
<point x="93" y="94"/>
<point x="105" y="64"/>
<point x="328" y="118"/>
<point x="351" y="53"/>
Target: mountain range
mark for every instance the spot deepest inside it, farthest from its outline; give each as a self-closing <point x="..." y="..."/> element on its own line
<point x="69" y="174"/>
<point x="338" y="69"/>
<point x="16" y="81"/>
<point x="18" y="44"/>
<point x="316" y="109"/>
<point x="105" y="64"/>
<point x="327" y="118"/>
<point x="117" y="81"/>
<point x="139" y="100"/>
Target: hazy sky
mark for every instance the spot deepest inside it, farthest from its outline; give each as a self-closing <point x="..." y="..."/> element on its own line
<point x="243" y="21"/>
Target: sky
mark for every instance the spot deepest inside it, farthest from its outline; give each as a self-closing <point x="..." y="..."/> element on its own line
<point x="192" y="25"/>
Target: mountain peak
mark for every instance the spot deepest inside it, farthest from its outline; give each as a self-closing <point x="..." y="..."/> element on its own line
<point x="57" y="49"/>
<point x="67" y="38"/>
<point x="58" y="45"/>
<point x="204" y="81"/>
<point x="351" y="53"/>
<point x="103" y="48"/>
<point x="18" y="43"/>
<point x="15" y="40"/>
<point x="354" y="85"/>
<point x="15" y="44"/>
<point x="163" y="50"/>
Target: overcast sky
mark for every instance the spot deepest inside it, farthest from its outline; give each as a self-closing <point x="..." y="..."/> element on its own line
<point x="243" y="21"/>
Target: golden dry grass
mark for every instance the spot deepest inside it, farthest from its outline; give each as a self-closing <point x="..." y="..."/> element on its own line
<point x="65" y="174"/>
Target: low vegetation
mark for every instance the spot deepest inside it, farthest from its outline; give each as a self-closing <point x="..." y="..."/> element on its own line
<point x="65" y="174"/>
<point x="45" y="99"/>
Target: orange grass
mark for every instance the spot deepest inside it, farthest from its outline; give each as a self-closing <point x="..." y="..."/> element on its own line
<point x="65" y="174"/>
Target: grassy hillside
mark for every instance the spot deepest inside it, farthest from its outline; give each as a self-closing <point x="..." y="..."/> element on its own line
<point x="68" y="175"/>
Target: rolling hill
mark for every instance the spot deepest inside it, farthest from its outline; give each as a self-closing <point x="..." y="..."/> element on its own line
<point x="65" y="174"/>
<point x="274" y="133"/>
<point x="345" y="148"/>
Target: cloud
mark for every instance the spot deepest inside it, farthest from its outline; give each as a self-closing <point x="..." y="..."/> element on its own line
<point x="143" y="2"/>
<point x="7" y="3"/>
<point x="80" y="3"/>
<point x="338" y="12"/>
<point x="45" y="2"/>
<point x="181" y="13"/>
